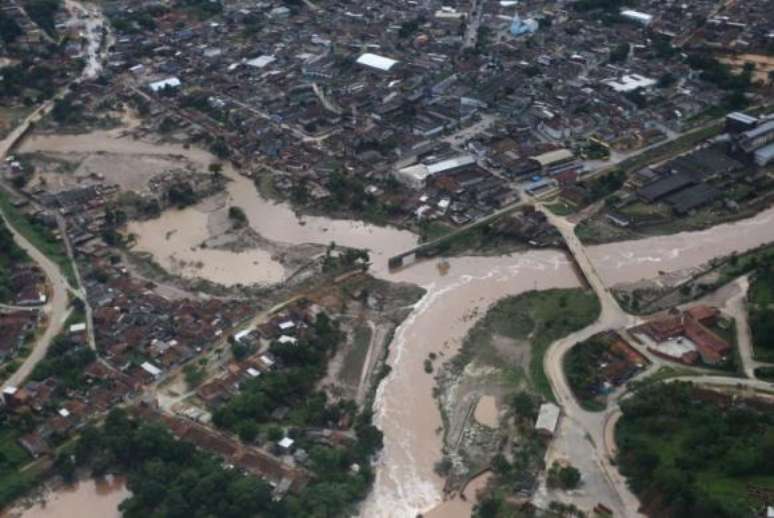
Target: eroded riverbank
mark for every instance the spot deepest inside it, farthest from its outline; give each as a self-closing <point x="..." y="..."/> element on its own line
<point x="176" y="236"/>
<point x="405" y="409"/>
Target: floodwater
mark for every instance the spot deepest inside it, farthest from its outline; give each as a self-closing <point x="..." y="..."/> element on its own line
<point x="486" y="411"/>
<point x="274" y="221"/>
<point x="405" y="410"/>
<point x="632" y="261"/>
<point x="86" y="499"/>
<point x="177" y="249"/>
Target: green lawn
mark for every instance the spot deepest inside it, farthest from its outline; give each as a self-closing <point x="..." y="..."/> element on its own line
<point x="536" y="317"/>
<point x="561" y="208"/>
<point x="40" y="237"/>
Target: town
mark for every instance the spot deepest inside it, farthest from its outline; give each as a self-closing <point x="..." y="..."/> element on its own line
<point x="229" y="229"/>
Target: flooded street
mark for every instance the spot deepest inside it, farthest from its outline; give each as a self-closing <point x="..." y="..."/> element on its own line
<point x="274" y="221"/>
<point x="631" y="261"/>
<point x="405" y="409"/>
<point x="87" y="499"/>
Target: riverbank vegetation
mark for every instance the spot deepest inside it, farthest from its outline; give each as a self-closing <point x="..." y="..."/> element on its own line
<point x="502" y="355"/>
<point x="10" y="255"/>
<point x="287" y="399"/>
<point x="40" y="236"/>
<point x="537" y="318"/>
<point x="14" y="480"/>
<point x="690" y="452"/>
<point x="647" y="298"/>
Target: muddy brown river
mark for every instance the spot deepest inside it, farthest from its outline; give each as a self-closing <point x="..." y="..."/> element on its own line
<point x="405" y="410"/>
<point x="86" y="499"/>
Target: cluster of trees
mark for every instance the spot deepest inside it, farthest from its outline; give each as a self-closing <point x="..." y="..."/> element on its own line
<point x="65" y="361"/>
<point x="720" y="74"/>
<point x="348" y="259"/>
<point x="761" y="311"/>
<point x="672" y="440"/>
<point x="136" y="20"/>
<point x="167" y="477"/>
<point x="181" y="195"/>
<point x="43" y="13"/>
<point x="238" y="216"/>
<point x="293" y="386"/>
<point x="9" y="29"/>
<point x="10" y="255"/>
<point x="203" y="9"/>
<point x="592" y="5"/>
<point x="620" y="53"/>
<point x="65" y="111"/>
<point x="581" y="368"/>
<point x="408" y="28"/>
<point x="26" y="75"/>
<point x="565" y="477"/>
<point x="605" y="185"/>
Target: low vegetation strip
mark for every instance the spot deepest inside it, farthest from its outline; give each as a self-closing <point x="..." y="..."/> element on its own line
<point x="10" y="255"/>
<point x="692" y="452"/>
<point x="538" y="317"/>
<point x="39" y="236"/>
<point x="761" y="307"/>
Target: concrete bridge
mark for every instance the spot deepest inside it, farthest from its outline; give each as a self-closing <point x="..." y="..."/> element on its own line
<point x="431" y="248"/>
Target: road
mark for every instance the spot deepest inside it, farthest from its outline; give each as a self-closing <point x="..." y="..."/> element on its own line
<point x="736" y="307"/>
<point x="588" y="438"/>
<point x="57" y="308"/>
<point x="591" y="424"/>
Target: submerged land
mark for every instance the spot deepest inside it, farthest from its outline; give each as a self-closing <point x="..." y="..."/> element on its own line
<point x="482" y="258"/>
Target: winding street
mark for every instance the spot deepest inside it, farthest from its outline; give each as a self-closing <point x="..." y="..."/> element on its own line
<point x="56" y="309"/>
<point x="585" y="434"/>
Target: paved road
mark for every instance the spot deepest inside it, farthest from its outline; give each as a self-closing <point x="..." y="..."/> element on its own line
<point x="737" y="308"/>
<point x="593" y="424"/>
<point x="57" y="309"/>
<point x="599" y="427"/>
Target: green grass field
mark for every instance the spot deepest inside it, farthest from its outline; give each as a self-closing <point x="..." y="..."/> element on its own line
<point x="536" y="317"/>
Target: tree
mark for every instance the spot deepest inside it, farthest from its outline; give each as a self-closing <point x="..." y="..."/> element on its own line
<point x="237" y="216"/>
<point x="620" y="53"/>
<point x="9" y="29"/>
<point x="565" y="477"/>
<point x="524" y="405"/>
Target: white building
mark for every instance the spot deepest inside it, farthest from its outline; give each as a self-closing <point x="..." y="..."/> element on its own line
<point x="548" y="419"/>
<point x="261" y="61"/>
<point x="637" y="16"/>
<point x="151" y="369"/>
<point x="170" y="82"/>
<point x="630" y="82"/>
<point x="376" y="61"/>
<point x="416" y="176"/>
